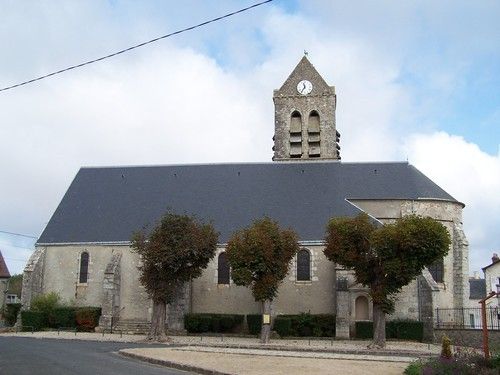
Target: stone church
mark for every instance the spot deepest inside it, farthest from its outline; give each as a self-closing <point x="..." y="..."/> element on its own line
<point x="84" y="252"/>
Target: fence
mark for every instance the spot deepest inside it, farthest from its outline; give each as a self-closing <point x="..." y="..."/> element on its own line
<point x="466" y="318"/>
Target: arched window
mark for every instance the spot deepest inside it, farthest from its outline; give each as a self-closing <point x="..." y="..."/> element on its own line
<point x="361" y="308"/>
<point x="313" y="130"/>
<point x="84" y="267"/>
<point x="437" y="270"/>
<point x="303" y="265"/>
<point x="222" y="269"/>
<point x="296" y="135"/>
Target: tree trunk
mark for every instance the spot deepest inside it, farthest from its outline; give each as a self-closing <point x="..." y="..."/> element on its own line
<point x="378" y="327"/>
<point x="265" y="331"/>
<point x="157" y="331"/>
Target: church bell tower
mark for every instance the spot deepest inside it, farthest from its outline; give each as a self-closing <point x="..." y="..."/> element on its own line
<point x="304" y="111"/>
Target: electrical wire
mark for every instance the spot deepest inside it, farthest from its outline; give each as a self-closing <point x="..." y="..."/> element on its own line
<point x="136" y="46"/>
<point x="18" y="234"/>
<point x="5" y="244"/>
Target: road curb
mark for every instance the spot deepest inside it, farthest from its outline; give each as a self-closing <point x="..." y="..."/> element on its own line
<point x="373" y="352"/>
<point x="172" y="364"/>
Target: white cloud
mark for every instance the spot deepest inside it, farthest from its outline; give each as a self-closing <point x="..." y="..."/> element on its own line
<point x="472" y="177"/>
<point x="206" y="96"/>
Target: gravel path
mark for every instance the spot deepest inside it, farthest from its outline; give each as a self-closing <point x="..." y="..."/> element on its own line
<point x="257" y="364"/>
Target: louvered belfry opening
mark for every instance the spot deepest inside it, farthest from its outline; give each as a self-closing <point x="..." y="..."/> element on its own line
<point x="313" y="133"/>
<point x="296" y="135"/>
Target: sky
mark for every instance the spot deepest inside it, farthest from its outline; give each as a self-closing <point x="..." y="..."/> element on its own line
<point x="415" y="80"/>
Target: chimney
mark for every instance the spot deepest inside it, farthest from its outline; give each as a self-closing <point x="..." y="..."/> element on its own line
<point x="495" y="258"/>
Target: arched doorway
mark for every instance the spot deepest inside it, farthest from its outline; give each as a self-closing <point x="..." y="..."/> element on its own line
<point x="361" y="308"/>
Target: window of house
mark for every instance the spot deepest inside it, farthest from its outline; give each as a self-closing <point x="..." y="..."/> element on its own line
<point x="472" y="321"/>
<point x="437" y="270"/>
<point x="222" y="269"/>
<point x="84" y="267"/>
<point x="303" y="265"/>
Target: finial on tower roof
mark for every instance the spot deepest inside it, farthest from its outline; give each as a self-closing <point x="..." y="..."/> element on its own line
<point x="306" y="53"/>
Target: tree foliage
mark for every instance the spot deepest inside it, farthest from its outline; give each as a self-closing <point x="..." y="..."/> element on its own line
<point x="388" y="257"/>
<point x="16" y="284"/>
<point x="259" y="257"/>
<point x="385" y="258"/>
<point x="174" y="252"/>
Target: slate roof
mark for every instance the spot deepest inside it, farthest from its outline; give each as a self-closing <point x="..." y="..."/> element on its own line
<point x="477" y="288"/>
<point x="4" y="271"/>
<point x="108" y="204"/>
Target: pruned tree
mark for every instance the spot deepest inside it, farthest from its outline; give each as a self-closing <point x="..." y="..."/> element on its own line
<point x="174" y="252"/>
<point x="385" y="258"/>
<point x="259" y="257"/>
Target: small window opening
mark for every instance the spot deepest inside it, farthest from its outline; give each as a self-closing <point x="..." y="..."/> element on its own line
<point x="84" y="267"/>
<point x="436" y="269"/>
<point x="303" y="265"/>
<point x="222" y="269"/>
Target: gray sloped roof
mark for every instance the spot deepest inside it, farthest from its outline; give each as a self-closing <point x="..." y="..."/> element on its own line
<point x="109" y="204"/>
<point x="477" y="288"/>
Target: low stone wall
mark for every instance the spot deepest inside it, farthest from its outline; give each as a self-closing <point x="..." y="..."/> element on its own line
<point x="469" y="337"/>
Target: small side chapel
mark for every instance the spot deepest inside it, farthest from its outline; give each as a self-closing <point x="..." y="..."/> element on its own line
<point x="84" y="252"/>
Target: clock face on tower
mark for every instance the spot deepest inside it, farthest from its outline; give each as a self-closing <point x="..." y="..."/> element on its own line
<point x="304" y="87"/>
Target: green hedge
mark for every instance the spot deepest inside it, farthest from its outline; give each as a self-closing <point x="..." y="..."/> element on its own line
<point x="305" y="325"/>
<point x="283" y="326"/>
<point x="219" y="323"/>
<point x="254" y="322"/>
<point x="394" y="329"/>
<point x="87" y="318"/>
<point x="364" y="330"/>
<point x="33" y="319"/>
<point x="10" y="313"/>
<point x="406" y="330"/>
<point x="83" y="318"/>
<point x="63" y="317"/>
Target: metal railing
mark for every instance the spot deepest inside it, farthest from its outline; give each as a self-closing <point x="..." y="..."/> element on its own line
<point x="466" y="318"/>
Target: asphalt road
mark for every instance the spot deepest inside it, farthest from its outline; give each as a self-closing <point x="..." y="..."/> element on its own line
<point x="22" y="355"/>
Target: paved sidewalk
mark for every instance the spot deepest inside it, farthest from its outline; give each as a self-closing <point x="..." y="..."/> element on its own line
<point x="246" y="356"/>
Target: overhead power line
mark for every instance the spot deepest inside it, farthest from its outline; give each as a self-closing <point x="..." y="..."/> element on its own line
<point x="5" y="244"/>
<point x="136" y="46"/>
<point x="18" y="234"/>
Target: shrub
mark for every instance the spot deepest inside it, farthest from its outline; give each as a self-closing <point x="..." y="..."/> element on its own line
<point x="63" y="317"/>
<point x="200" y="323"/>
<point x="191" y="323"/>
<point x="229" y="322"/>
<point x="445" y="347"/>
<point x="283" y="326"/>
<point x="10" y="313"/>
<point x="463" y="362"/>
<point x="46" y="302"/>
<point x="414" y="368"/>
<point x="205" y="323"/>
<point x="394" y="329"/>
<point x="254" y="322"/>
<point x="87" y="318"/>
<point x="305" y="324"/>
<point x="35" y="319"/>
<point x="324" y="324"/>
<point x="406" y="329"/>
<point x="364" y="330"/>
